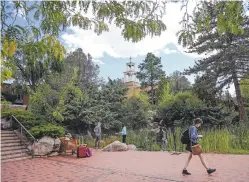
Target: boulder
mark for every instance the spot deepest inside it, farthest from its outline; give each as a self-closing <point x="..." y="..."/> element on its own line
<point x="42" y="148"/>
<point x="6" y="124"/>
<point x="115" y="147"/>
<point x="47" y="140"/>
<point x="132" y="147"/>
<point x="46" y="146"/>
<point x="53" y="154"/>
<point x="57" y="145"/>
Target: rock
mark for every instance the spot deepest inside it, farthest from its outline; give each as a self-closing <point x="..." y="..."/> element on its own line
<point x="116" y="146"/>
<point x="5" y="124"/>
<point x="57" y="145"/>
<point x="132" y="147"/>
<point x="47" y="139"/>
<point x="45" y="146"/>
<point x="42" y="148"/>
<point x="53" y="154"/>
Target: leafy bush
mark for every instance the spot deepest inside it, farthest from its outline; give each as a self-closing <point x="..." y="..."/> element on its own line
<point x="134" y="112"/>
<point x="37" y="127"/>
<point x="27" y="118"/>
<point x="43" y="102"/>
<point x="47" y="130"/>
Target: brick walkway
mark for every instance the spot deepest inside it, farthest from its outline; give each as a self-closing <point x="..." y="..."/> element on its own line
<point x="126" y="166"/>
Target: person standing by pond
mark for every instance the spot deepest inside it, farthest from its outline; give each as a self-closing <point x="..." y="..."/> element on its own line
<point x="97" y="131"/>
<point x="124" y="134"/>
<point x="193" y="140"/>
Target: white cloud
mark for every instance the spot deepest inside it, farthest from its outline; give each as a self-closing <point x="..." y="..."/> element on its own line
<point x="156" y="53"/>
<point x="113" y="44"/>
<point x="193" y="55"/>
<point x="97" y="61"/>
<point x="170" y="51"/>
<point x="247" y="13"/>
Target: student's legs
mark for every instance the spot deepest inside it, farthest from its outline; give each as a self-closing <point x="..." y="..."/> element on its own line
<point x="187" y="163"/>
<point x="203" y="161"/>
<point x="124" y="139"/>
<point x="97" y="142"/>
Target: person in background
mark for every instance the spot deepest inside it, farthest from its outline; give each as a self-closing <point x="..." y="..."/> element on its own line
<point x="124" y="134"/>
<point x="159" y="137"/>
<point x="97" y="131"/>
<point x="194" y="141"/>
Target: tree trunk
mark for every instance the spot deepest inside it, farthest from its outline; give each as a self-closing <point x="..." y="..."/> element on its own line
<point x="242" y="112"/>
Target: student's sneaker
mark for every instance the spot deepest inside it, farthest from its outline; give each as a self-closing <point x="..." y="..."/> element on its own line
<point x="209" y="171"/>
<point x="185" y="172"/>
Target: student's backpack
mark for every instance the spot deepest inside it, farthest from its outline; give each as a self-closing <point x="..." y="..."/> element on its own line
<point x="185" y="139"/>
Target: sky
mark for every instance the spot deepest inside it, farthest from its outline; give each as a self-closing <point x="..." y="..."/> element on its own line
<point x="111" y="52"/>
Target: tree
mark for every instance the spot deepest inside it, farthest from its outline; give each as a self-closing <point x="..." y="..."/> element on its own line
<point x="44" y="101"/>
<point x="178" y="82"/>
<point x="134" y="112"/>
<point x="205" y="89"/>
<point x="35" y="59"/>
<point x="245" y="88"/>
<point x="228" y="16"/>
<point x="230" y="62"/>
<point x="182" y="108"/>
<point x="160" y="89"/>
<point x="88" y="70"/>
<point x="150" y="72"/>
<point x="136" y="20"/>
<point x="88" y="73"/>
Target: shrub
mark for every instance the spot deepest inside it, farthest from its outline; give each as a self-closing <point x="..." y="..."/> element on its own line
<point x="47" y="130"/>
<point x="27" y="118"/>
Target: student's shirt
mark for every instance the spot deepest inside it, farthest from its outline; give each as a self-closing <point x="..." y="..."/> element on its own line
<point x="97" y="130"/>
<point x="124" y="131"/>
<point x="194" y="134"/>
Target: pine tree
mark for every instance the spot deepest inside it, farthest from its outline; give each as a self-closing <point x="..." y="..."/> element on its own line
<point x="150" y="72"/>
<point x="229" y="60"/>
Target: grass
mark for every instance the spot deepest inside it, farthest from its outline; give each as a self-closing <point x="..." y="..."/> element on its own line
<point x="225" y="141"/>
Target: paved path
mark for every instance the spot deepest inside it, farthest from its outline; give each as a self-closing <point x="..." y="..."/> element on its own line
<point x="126" y="167"/>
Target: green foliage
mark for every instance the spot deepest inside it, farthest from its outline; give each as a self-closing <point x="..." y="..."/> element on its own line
<point x="20" y="114"/>
<point x="160" y="88"/>
<point x="37" y="127"/>
<point x="228" y="140"/>
<point x="230" y="62"/>
<point x="178" y="82"/>
<point x="43" y="102"/>
<point x="47" y="130"/>
<point x="70" y="94"/>
<point x="205" y="89"/>
<point x="245" y="88"/>
<point x="134" y="111"/>
<point x="35" y="59"/>
<point x="136" y="19"/>
<point x="224" y="16"/>
<point x="165" y="96"/>
<point x="182" y="108"/>
<point x="149" y="74"/>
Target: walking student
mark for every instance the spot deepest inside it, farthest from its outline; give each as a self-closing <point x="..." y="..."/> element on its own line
<point x="97" y="131"/>
<point x="124" y="134"/>
<point x="193" y="140"/>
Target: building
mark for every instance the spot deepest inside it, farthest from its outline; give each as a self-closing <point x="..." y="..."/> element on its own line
<point x="130" y="80"/>
<point x="8" y="93"/>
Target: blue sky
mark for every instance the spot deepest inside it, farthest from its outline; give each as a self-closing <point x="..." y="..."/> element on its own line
<point x="114" y="67"/>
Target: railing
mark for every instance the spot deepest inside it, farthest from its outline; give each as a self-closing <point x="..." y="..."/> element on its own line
<point x="25" y="136"/>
